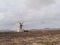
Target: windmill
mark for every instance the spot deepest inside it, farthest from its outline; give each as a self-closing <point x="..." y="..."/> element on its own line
<point x="20" y="23"/>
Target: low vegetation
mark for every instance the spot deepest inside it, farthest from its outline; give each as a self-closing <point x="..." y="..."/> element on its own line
<point x="37" y="37"/>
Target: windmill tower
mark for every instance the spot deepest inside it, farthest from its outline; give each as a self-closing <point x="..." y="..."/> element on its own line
<point x="21" y="27"/>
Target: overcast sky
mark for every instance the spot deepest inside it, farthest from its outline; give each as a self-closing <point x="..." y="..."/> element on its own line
<point x="35" y="14"/>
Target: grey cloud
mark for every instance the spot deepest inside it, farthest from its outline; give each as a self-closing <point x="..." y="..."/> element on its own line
<point x="37" y="4"/>
<point x="29" y="11"/>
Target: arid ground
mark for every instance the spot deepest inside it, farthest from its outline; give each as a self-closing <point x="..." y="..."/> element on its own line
<point x="37" y="37"/>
